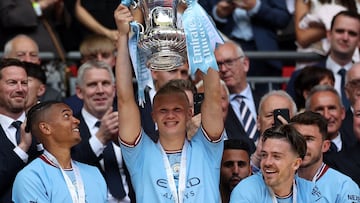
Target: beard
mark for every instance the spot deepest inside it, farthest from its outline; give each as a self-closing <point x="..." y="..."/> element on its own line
<point x="313" y="160"/>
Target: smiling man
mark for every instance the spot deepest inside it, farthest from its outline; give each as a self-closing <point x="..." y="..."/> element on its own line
<point x="336" y="186"/>
<point x="326" y="101"/>
<point x="99" y="128"/>
<point x="174" y="169"/>
<point x="283" y="150"/>
<point x="54" y="176"/>
<point x="16" y="150"/>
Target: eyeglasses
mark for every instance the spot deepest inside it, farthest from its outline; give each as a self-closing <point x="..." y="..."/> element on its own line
<point x="229" y="62"/>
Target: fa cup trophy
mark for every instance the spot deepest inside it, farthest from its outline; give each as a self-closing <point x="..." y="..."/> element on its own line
<point x="161" y="38"/>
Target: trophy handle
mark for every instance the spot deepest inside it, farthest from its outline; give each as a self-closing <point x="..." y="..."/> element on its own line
<point x="134" y="4"/>
<point x="142" y="29"/>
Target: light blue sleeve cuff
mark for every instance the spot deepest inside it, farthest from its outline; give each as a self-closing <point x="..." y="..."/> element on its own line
<point x="96" y="145"/>
<point x="216" y="17"/>
<point x="23" y="155"/>
<point x="256" y="8"/>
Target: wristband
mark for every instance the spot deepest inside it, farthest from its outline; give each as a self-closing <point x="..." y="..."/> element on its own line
<point x="37" y="8"/>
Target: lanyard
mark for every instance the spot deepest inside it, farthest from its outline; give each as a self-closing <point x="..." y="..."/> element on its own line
<point x="178" y="195"/>
<point x="294" y="193"/>
<point x="319" y="172"/>
<point x="77" y="191"/>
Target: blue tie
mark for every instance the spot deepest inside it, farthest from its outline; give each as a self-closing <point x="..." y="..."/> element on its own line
<point x="345" y="101"/>
<point x="247" y="118"/>
<point x="112" y="173"/>
<point x="17" y="124"/>
<point x="333" y="147"/>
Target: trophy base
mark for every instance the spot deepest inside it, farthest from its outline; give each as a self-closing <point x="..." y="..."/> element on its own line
<point x="167" y="47"/>
<point x="165" y="61"/>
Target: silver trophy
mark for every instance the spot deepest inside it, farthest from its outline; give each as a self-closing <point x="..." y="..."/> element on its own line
<point x="162" y="39"/>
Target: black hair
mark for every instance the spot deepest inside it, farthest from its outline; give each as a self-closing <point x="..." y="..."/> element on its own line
<point x="309" y="77"/>
<point x="237" y="144"/>
<point x="6" y="62"/>
<point x="35" y="71"/>
<point x="32" y="116"/>
<point x="347" y="13"/>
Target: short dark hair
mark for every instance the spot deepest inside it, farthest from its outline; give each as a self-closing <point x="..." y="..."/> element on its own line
<point x="347" y="13"/>
<point x="6" y="62"/>
<point x="35" y="71"/>
<point x="309" y="77"/>
<point x="237" y="144"/>
<point x="312" y="118"/>
<point x="290" y="134"/>
<point x="33" y="115"/>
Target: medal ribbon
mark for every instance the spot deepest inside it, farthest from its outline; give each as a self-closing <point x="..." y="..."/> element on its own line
<point x="178" y="195"/>
<point x="294" y="193"/>
<point x="77" y="191"/>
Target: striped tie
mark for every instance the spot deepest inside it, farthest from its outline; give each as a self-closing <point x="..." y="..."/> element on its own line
<point x="248" y="120"/>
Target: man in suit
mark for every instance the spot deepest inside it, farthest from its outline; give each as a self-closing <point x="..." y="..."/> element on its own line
<point x="16" y="149"/>
<point x="344" y="38"/>
<point x="352" y="89"/>
<point x="99" y="128"/>
<point x="326" y="101"/>
<point x="93" y="47"/>
<point x="348" y="161"/>
<point x="26" y="49"/>
<point x="233" y="68"/>
<point x="253" y="25"/>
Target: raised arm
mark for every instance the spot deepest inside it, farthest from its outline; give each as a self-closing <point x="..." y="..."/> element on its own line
<point x="211" y="113"/>
<point x="306" y="37"/>
<point x="91" y="23"/>
<point x="129" y="115"/>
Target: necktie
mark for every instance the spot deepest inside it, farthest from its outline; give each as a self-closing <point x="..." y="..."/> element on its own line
<point x="112" y="173"/>
<point x="17" y="125"/>
<point x="345" y="101"/>
<point x="248" y="120"/>
<point x="333" y="147"/>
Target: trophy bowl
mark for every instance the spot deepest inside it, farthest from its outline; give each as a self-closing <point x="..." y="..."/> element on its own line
<point x="161" y="38"/>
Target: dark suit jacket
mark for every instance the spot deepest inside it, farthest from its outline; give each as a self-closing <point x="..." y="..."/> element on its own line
<point x="51" y="94"/>
<point x="348" y="162"/>
<point x="11" y="164"/>
<point x="147" y="123"/>
<point x="347" y="126"/>
<point x="272" y="15"/>
<point x="82" y="152"/>
<point x="348" y="141"/>
<point x="235" y="130"/>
